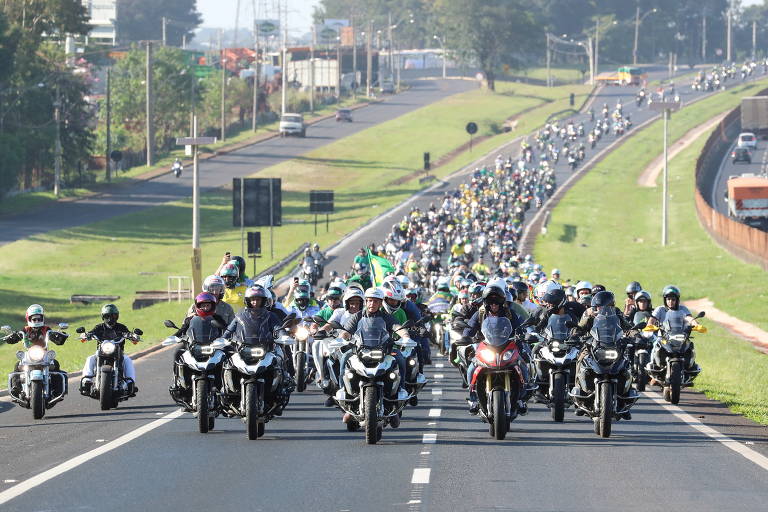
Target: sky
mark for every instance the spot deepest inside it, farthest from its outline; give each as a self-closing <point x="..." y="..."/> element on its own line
<point x="221" y="13"/>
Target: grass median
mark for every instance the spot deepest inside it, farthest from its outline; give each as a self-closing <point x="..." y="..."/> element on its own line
<point x="138" y="251"/>
<point x="607" y="229"/>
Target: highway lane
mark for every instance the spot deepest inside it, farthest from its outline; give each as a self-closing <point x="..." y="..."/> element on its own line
<point x="758" y="166"/>
<point x="220" y="170"/>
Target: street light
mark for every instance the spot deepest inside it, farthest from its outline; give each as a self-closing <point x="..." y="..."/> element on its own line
<point x="638" y="20"/>
<point x="442" y="47"/>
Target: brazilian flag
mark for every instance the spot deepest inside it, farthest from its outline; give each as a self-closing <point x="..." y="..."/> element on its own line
<point x="380" y="268"/>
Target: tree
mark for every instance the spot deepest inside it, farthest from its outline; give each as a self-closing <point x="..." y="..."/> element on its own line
<point x="142" y="20"/>
<point x="491" y="33"/>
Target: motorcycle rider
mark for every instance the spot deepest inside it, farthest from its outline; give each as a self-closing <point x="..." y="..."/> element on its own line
<point x="629" y="303"/>
<point x="643" y="308"/>
<point x="34" y="334"/>
<point x="177" y="167"/>
<point x="601" y="299"/>
<point x="362" y="275"/>
<point x="109" y="329"/>
<point x="671" y="297"/>
<point x="332" y="302"/>
<point x="234" y="291"/>
<point x="302" y="304"/>
<point x="318" y="256"/>
<point x="214" y="285"/>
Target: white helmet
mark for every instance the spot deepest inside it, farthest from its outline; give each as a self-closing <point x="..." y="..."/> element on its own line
<point x="391" y="283"/>
<point x="35" y="310"/>
<point x="374" y="292"/>
<point x="582" y="285"/>
<point x="352" y="292"/>
<point x="404" y="281"/>
<point x="443" y="282"/>
<point x="265" y="281"/>
<point x="214" y="284"/>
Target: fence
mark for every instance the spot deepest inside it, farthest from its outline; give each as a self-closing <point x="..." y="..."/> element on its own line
<point x="745" y="242"/>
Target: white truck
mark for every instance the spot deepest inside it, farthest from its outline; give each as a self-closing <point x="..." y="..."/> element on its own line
<point x="748" y="198"/>
<point x="292" y="124"/>
<point x="754" y="115"/>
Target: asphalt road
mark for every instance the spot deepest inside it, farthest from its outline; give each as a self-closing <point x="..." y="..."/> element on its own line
<point x="440" y="458"/>
<point x="220" y="170"/>
<point x="759" y="166"/>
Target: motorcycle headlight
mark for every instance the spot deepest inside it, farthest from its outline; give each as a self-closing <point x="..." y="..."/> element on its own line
<point x="372" y="355"/>
<point x="507" y="355"/>
<point x="250" y="353"/>
<point x="207" y="350"/>
<point x="302" y="333"/>
<point x="36" y="353"/>
<point x="487" y="355"/>
<point x="606" y="355"/>
<point x="107" y="348"/>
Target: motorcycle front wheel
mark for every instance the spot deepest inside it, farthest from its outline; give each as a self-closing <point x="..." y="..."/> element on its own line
<point x="201" y="405"/>
<point x="36" y="399"/>
<point x="675" y="381"/>
<point x="252" y="411"/>
<point x="606" y="410"/>
<point x="642" y="377"/>
<point x="301" y="371"/>
<point x="105" y="390"/>
<point x="558" y="397"/>
<point x="369" y="413"/>
<point x="500" y="422"/>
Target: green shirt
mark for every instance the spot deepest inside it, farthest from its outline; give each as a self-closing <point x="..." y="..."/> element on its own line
<point x="326" y="312"/>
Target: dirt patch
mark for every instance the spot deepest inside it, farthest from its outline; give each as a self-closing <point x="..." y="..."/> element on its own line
<point x="756" y="336"/>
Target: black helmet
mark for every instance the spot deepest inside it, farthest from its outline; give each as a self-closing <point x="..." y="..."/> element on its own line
<point x="602" y="299"/>
<point x="110" y="314"/>
<point x="633" y="288"/>
<point x="555" y="297"/>
<point x="240" y="262"/>
<point x="256" y="292"/>
<point x="597" y="288"/>
<point x="494" y="295"/>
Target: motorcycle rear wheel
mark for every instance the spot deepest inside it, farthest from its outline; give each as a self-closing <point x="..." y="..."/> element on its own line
<point x="105" y="391"/>
<point x="675" y="382"/>
<point x="201" y="405"/>
<point x="558" y="397"/>
<point x="606" y="409"/>
<point x="369" y="412"/>
<point x="36" y="399"/>
<point x="301" y="371"/>
<point x="500" y="422"/>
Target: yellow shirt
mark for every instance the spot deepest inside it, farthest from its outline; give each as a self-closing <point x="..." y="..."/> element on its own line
<point x="235" y="297"/>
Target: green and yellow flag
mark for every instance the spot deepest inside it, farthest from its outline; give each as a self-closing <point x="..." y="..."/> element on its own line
<point x="380" y="268"/>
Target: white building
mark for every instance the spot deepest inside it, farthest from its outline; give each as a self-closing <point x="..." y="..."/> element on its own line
<point x="103" y="15"/>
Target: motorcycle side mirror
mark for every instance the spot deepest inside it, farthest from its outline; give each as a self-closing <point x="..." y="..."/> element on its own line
<point x="700" y="315"/>
<point x="169" y="324"/>
<point x="63" y="326"/>
<point x="639" y="326"/>
<point x="170" y="340"/>
<point x="318" y="320"/>
<point x="80" y="330"/>
<point x="138" y="332"/>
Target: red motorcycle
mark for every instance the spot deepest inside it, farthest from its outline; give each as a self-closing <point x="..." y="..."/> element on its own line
<point x="498" y="378"/>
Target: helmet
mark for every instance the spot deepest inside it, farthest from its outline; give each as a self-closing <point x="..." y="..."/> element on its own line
<point x="521" y="290"/>
<point x="597" y="288"/>
<point x="555" y="271"/>
<point x="602" y="299"/>
<point x="255" y="292"/>
<point x="35" y="310"/>
<point x="633" y="288"/>
<point x="404" y="281"/>
<point x="230" y="274"/>
<point x="463" y="293"/>
<point x="391" y="283"/>
<point x="361" y="268"/>
<point x="333" y="292"/>
<point x="476" y="290"/>
<point x="307" y="251"/>
<point x="301" y="296"/>
<point x="214" y="285"/>
<point x="493" y="294"/>
<point x="671" y="290"/>
<point x="240" y="262"/>
<point x="203" y="298"/>
<point x="110" y="314"/>
<point x="585" y="300"/>
<point x="528" y="258"/>
<point x="316" y="246"/>
<point x="352" y="292"/>
<point x="642" y="294"/>
<point x="374" y="293"/>
<point x="583" y="285"/>
<point x="443" y="284"/>
<point x="555" y="297"/>
<point x="265" y="281"/>
<point x="389" y="293"/>
<point x="571" y="291"/>
<point x="413" y="293"/>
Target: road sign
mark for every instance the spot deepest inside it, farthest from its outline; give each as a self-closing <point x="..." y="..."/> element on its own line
<point x="321" y="201"/>
<point x="471" y="128"/>
<point x="260" y="202"/>
<point x="194" y="141"/>
<point x="427" y="165"/>
<point x="254" y="243"/>
<point x="116" y="155"/>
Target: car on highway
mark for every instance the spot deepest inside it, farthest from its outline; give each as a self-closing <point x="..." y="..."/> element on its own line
<point x="292" y="124"/>
<point x="344" y="114"/>
<point x="741" y="155"/>
<point x="747" y="140"/>
<point x="387" y="87"/>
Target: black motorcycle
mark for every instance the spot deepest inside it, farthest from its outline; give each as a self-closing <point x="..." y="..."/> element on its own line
<point x="603" y="389"/>
<point x="639" y="352"/>
<point x="110" y="386"/>
<point x="555" y="364"/>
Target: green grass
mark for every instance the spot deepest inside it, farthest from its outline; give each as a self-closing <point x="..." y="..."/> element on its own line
<point x="562" y="73"/>
<point x="107" y="257"/>
<point x="607" y="229"/>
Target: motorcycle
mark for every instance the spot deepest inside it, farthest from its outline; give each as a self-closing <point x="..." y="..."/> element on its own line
<point x="41" y="386"/>
<point x="302" y="359"/>
<point x="371" y="380"/>
<point x="198" y="374"/>
<point x="177" y="169"/>
<point x="498" y="377"/>
<point x="440" y="312"/>
<point x="639" y="352"/>
<point x="109" y="385"/>
<point x="604" y="373"/>
<point x="254" y="385"/>
<point x="671" y="365"/>
<point x="309" y="273"/>
<point x="555" y="365"/>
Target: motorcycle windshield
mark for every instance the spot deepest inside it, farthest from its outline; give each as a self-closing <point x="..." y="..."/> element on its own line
<point x="372" y="332"/>
<point x="606" y="328"/>
<point x="254" y="328"/>
<point x="641" y="316"/>
<point x="557" y="328"/>
<point x="496" y="330"/>
<point x="202" y="331"/>
<point x="674" y="322"/>
<point x="438" y="306"/>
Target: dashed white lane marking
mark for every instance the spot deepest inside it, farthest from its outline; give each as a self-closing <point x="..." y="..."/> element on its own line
<point x="429" y="438"/>
<point x="435" y="413"/>
<point x="437" y="391"/>
<point x="439" y="365"/>
<point x="414" y="502"/>
<point x="748" y="453"/>
<point x="422" y="453"/>
<point x="431" y="424"/>
<point x="10" y="481"/>
<point x="420" y="476"/>
<point x="31" y="483"/>
<point x="100" y="440"/>
<point x="438" y="375"/>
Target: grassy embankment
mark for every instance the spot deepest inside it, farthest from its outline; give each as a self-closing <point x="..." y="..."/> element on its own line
<point x="138" y="251"/>
<point x="607" y="229"/>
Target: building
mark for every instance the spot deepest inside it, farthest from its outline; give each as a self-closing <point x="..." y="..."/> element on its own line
<point x="103" y="15"/>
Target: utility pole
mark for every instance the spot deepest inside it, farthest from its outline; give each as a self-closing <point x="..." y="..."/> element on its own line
<point x="754" y="39"/>
<point x="165" y="22"/>
<point x="549" y="64"/>
<point x="597" y="46"/>
<point x="150" y="114"/>
<point x="354" y="57"/>
<point x="338" y="70"/>
<point x="704" y="36"/>
<point x="222" y="62"/>
<point x="237" y="24"/>
<point x="109" y="124"/>
<point x="257" y="61"/>
<point x="369" y="60"/>
<point x="312" y="69"/>
<point x="284" y="92"/>
<point x="637" y="34"/>
<point x="389" y="35"/>
<point x="728" y="36"/>
<point x="592" y="64"/>
<point x="666" y="109"/>
<point x="57" y="158"/>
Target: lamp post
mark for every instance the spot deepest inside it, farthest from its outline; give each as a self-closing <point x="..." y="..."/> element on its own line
<point x="442" y="47"/>
<point x="666" y="108"/>
<point x="638" y="20"/>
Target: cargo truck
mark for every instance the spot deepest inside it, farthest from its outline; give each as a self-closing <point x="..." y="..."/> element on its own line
<point x="748" y="198"/>
<point x="754" y="115"/>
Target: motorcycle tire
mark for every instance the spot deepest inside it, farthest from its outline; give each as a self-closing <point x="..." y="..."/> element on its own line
<point x="414" y="400"/>
<point x="500" y="422"/>
<point x="558" y="397"/>
<point x="36" y="399"/>
<point x="642" y="377"/>
<point x="675" y="382"/>
<point x="301" y="371"/>
<point x="606" y="409"/>
<point x="252" y="411"/>
<point x="201" y="405"/>
<point x="106" y="401"/>
<point x="260" y="429"/>
<point x="370" y="406"/>
<point x="211" y="422"/>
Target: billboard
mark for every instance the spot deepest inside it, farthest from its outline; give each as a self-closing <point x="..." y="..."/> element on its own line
<point x="268" y="28"/>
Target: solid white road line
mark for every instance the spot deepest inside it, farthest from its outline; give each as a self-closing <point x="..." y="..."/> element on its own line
<point x="435" y="413"/>
<point x="421" y="475"/>
<point x="429" y="438"/>
<point x="748" y="453"/>
<point x="31" y="483"/>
